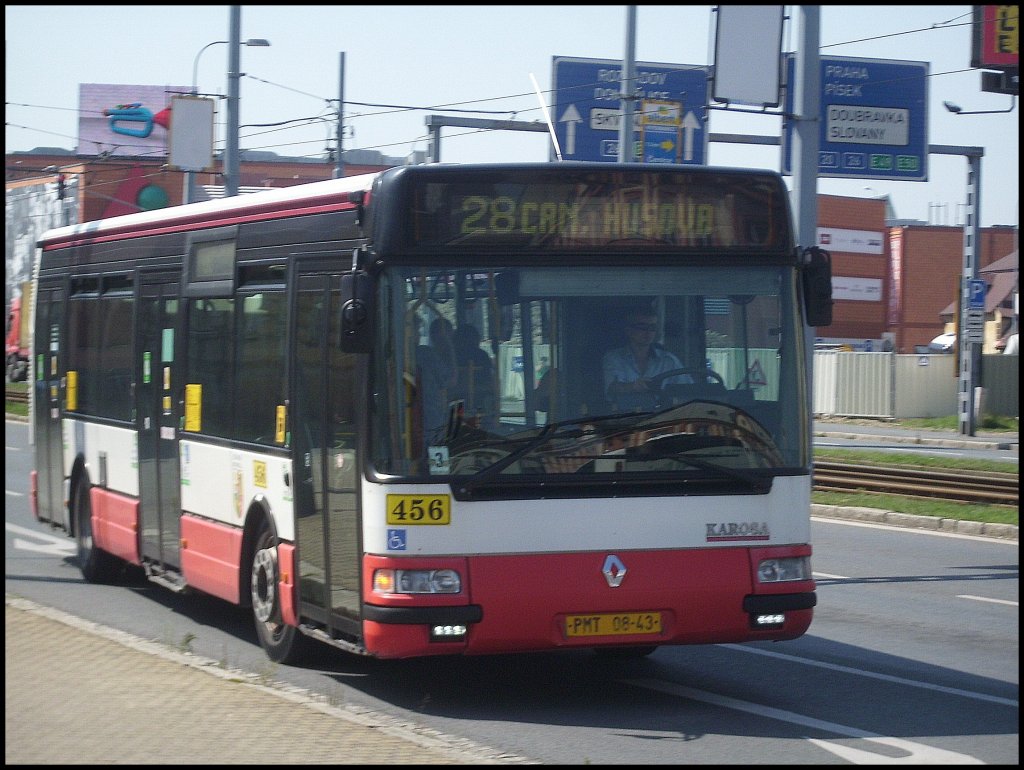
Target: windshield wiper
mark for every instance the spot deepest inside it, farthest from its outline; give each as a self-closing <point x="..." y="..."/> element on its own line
<point x="677" y="447"/>
<point x="547" y="433"/>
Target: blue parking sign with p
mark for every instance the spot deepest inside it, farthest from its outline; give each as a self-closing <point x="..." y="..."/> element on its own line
<point x="976" y="293"/>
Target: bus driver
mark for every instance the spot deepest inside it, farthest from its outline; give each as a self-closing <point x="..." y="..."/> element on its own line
<point x="628" y="369"/>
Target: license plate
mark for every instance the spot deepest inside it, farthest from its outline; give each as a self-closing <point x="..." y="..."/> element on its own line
<point x="613" y="624"/>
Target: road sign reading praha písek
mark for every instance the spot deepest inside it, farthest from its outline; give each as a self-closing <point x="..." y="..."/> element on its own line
<point x="874" y="119"/>
<point x="587" y="109"/>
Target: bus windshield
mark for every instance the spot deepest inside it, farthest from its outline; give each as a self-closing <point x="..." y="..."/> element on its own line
<point x="510" y="374"/>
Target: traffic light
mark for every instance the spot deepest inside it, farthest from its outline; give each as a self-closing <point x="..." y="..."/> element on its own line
<point x="60" y="186"/>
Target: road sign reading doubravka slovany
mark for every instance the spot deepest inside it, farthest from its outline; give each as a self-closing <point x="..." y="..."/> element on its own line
<point x="873" y="119"/>
<point x="588" y="109"/>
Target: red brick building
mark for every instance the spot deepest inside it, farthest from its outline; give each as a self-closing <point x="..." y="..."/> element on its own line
<point x="927" y="269"/>
<point x="853" y="231"/>
<point x="893" y="283"/>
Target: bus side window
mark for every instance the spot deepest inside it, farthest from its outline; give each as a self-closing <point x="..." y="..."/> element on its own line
<point x="211" y="361"/>
<point x="116" y="358"/>
<point x="261" y="366"/>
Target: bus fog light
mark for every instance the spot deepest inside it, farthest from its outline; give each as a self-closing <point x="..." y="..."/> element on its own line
<point x="784" y="569"/>
<point x="417" y="581"/>
<point x="447" y="633"/>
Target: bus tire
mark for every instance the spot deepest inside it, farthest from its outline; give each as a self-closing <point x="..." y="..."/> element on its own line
<point x="97" y="565"/>
<point x="283" y="643"/>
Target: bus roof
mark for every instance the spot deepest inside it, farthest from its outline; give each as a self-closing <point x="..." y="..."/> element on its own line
<point x="314" y="197"/>
<point x="317" y="197"/>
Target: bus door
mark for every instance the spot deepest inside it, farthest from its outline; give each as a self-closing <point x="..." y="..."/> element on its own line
<point x="323" y="428"/>
<point x="47" y="373"/>
<point x="157" y="415"/>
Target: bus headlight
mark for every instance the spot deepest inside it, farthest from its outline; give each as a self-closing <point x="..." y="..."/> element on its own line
<point x="416" y="581"/>
<point x="784" y="569"/>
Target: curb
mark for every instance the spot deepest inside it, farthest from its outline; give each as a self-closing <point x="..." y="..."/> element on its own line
<point x="920" y="440"/>
<point x="1009" y="532"/>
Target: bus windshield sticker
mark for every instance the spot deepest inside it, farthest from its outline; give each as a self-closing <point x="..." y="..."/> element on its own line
<point x="438" y="459"/>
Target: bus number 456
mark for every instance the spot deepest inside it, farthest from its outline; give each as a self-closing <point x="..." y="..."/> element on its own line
<point x="419" y="509"/>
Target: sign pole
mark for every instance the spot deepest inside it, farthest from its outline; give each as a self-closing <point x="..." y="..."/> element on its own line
<point x="627" y="89"/>
<point x="969" y="350"/>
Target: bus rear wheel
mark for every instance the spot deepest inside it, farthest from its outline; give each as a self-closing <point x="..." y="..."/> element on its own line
<point x="283" y="643"/>
<point x="97" y="565"/>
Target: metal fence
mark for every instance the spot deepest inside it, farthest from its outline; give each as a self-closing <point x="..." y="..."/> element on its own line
<point x="899" y="385"/>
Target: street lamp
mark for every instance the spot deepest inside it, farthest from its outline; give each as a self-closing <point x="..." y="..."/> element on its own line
<point x="956" y="109"/>
<point x="258" y="42"/>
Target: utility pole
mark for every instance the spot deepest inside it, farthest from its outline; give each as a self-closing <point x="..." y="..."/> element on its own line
<point x="807" y="106"/>
<point x="231" y="159"/>
<point x="339" y="166"/>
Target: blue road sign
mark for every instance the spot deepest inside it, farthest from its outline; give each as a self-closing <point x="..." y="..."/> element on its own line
<point x="976" y="289"/>
<point x="587" y="109"/>
<point x="660" y="145"/>
<point x="874" y="119"/>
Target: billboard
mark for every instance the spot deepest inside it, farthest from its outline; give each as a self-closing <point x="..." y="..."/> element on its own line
<point x="995" y="44"/>
<point x="125" y="120"/>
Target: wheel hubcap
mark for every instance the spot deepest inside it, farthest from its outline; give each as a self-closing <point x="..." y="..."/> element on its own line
<point x="264" y="578"/>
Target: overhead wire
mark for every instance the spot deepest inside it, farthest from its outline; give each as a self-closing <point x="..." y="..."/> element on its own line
<point x="388" y="109"/>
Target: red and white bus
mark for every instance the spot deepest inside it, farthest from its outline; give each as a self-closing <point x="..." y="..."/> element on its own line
<point x="376" y="409"/>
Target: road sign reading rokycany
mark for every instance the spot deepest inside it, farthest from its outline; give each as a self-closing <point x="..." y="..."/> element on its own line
<point x="873" y="119"/>
<point x="588" y="109"/>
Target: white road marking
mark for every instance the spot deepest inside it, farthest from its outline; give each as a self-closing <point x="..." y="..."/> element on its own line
<point x="916" y="753"/>
<point x="874" y="675"/>
<point x="55" y="546"/>
<point x="986" y="599"/>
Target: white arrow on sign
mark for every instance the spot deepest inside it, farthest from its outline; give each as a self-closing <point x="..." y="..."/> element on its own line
<point x="570" y="117"/>
<point x="691" y="124"/>
<point x="54" y="546"/>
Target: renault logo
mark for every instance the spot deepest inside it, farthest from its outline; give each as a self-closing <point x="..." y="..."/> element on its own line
<point x="614" y="570"/>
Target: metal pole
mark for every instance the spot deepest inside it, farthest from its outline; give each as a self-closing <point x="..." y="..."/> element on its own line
<point x="969" y="352"/>
<point x="435" y="141"/>
<point x="807" y="106"/>
<point x="231" y="160"/>
<point x="627" y="90"/>
<point x="339" y="166"/>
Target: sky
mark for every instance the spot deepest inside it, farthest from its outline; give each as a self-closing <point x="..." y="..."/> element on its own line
<point x="405" y="62"/>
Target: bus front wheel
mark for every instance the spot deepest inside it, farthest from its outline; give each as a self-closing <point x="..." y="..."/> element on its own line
<point x="283" y="643"/>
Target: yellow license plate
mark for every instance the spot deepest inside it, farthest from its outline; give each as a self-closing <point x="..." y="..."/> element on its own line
<point x="613" y="624"/>
<point x="410" y="510"/>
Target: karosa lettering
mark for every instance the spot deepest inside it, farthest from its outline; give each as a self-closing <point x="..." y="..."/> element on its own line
<point x="733" y="529"/>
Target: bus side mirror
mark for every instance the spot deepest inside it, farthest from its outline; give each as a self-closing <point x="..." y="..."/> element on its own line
<point x="356" y="320"/>
<point x="816" y="273"/>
